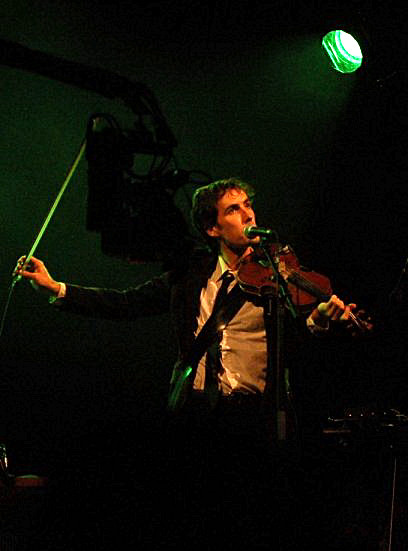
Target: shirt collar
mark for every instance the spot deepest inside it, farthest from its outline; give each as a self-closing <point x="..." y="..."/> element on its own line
<point x="222" y="267"/>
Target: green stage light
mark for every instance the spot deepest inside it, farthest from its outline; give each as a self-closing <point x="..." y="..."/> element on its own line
<point x="343" y="50"/>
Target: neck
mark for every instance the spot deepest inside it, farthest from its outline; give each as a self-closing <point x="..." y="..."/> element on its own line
<point x="232" y="256"/>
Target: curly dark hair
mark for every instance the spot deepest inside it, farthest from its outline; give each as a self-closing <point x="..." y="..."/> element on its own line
<point x="204" y="210"/>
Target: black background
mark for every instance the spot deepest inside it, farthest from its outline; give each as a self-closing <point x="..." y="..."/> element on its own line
<point x="247" y="92"/>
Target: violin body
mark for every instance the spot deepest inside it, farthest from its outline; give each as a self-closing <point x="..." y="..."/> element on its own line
<point x="306" y="287"/>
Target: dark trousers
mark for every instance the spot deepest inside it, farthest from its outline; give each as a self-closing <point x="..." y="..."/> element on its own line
<point x="224" y="480"/>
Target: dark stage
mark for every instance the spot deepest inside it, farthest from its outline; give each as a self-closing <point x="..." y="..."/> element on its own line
<point x="238" y="89"/>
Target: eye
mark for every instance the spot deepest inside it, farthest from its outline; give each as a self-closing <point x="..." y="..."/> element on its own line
<point x="232" y="208"/>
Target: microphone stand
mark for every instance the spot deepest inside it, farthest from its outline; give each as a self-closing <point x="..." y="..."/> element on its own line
<point x="274" y="318"/>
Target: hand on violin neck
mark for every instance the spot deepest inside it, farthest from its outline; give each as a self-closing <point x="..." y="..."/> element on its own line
<point x="332" y="310"/>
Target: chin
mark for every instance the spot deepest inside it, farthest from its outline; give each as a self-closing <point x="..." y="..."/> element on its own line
<point x="251" y="242"/>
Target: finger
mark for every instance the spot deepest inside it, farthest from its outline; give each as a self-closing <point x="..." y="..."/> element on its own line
<point x="18" y="270"/>
<point x="35" y="262"/>
<point x="19" y="264"/>
<point x="338" y="309"/>
<point x="339" y="315"/>
<point x="330" y="312"/>
<point x="28" y="275"/>
<point x="21" y="261"/>
<point x="332" y="305"/>
<point x="346" y="314"/>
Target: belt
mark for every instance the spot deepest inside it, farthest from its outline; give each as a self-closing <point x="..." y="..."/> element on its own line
<point x="244" y="399"/>
<point x="235" y="400"/>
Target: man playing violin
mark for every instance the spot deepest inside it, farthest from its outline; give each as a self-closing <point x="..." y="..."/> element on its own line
<point x="219" y="442"/>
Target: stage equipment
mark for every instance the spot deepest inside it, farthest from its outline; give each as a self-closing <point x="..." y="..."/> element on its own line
<point x="131" y="192"/>
<point x="131" y="202"/>
<point x="377" y="441"/>
<point x="343" y="50"/>
<point x="367" y="39"/>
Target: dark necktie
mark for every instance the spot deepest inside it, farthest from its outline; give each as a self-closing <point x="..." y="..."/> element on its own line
<point x="213" y="359"/>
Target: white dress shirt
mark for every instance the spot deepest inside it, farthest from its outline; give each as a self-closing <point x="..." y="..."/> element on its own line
<point x="243" y="344"/>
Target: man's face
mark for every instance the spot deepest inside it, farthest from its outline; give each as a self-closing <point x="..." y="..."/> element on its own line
<point x="234" y="214"/>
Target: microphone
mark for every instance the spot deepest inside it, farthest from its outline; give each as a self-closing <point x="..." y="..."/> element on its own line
<point x="255" y="231"/>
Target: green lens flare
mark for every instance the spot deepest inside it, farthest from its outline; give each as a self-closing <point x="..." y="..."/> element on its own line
<point x="343" y="50"/>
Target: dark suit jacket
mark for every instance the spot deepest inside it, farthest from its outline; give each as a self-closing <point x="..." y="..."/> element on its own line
<point x="176" y="291"/>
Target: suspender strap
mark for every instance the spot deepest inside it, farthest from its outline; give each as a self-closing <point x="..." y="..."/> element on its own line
<point x="182" y="380"/>
<point x="215" y="323"/>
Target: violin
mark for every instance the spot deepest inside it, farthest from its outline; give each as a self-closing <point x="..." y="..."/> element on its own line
<point x="306" y="287"/>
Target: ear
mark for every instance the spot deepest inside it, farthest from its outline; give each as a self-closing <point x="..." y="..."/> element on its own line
<point x="213" y="232"/>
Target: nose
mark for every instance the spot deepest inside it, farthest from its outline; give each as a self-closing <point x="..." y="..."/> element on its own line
<point x="247" y="214"/>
